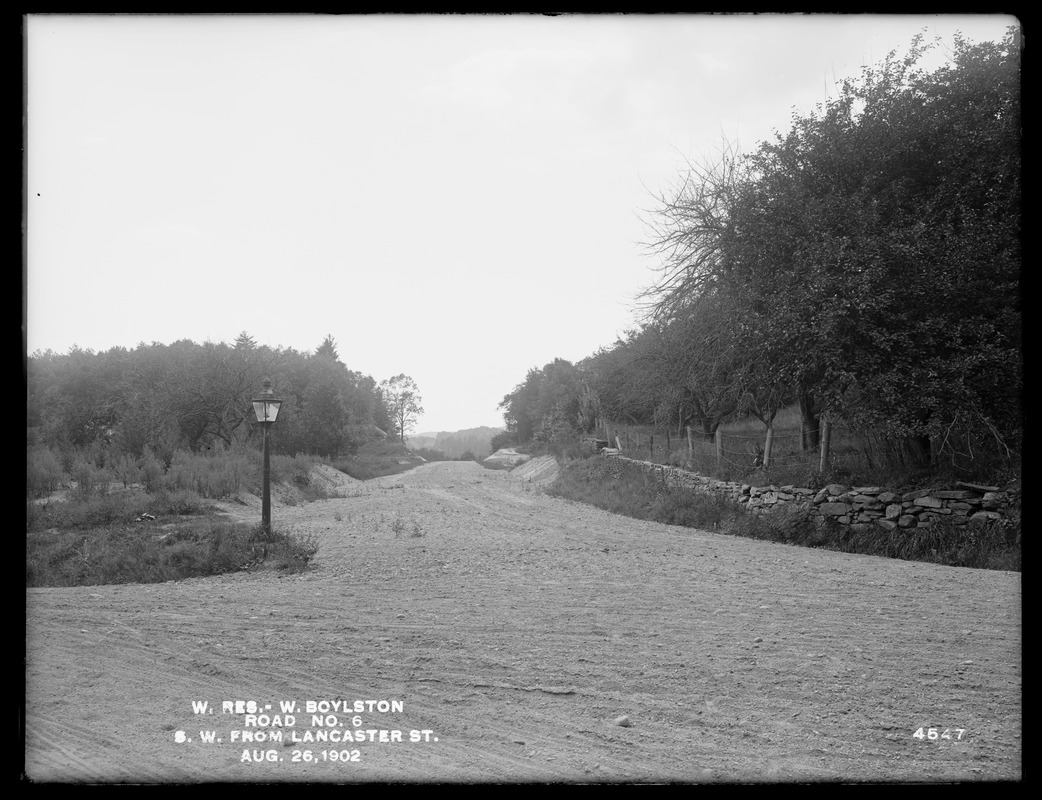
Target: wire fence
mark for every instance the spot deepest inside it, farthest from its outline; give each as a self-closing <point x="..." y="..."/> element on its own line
<point x="797" y="451"/>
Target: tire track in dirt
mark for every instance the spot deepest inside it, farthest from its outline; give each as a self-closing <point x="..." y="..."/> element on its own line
<point x="518" y="627"/>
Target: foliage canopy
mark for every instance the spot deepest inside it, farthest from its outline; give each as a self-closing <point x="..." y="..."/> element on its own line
<point x="864" y="264"/>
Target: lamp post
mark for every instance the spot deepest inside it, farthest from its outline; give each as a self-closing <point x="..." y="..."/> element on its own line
<point x="266" y="407"/>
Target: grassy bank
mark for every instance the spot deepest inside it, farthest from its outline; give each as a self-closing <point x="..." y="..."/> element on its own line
<point x="377" y="459"/>
<point x="151" y="553"/>
<point x="636" y="493"/>
<point x="93" y="519"/>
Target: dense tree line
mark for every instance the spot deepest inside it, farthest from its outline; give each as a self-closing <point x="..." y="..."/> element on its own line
<point x="864" y="264"/>
<point x="195" y="396"/>
<point x="475" y="441"/>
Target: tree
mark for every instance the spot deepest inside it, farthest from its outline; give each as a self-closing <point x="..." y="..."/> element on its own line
<point x="186" y="395"/>
<point x="548" y="400"/>
<point x="700" y="362"/>
<point x="869" y="257"/>
<point x="622" y="377"/>
<point x="402" y="398"/>
<point x="692" y="229"/>
<point x="878" y="247"/>
<point x="328" y="348"/>
<point x="325" y="418"/>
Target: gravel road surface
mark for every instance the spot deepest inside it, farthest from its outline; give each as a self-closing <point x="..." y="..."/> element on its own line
<point x="458" y="624"/>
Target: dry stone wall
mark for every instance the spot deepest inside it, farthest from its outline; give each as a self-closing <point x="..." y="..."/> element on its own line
<point x="847" y="505"/>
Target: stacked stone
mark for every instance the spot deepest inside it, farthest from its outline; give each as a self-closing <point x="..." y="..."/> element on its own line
<point x="858" y="506"/>
<point x="764" y="499"/>
<point x="851" y="505"/>
<point x="870" y="504"/>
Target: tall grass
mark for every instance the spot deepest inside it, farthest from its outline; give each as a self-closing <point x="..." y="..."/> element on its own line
<point x="224" y="474"/>
<point x="377" y="459"/>
<point x="623" y="489"/>
<point x="104" y="533"/>
<point x="215" y="474"/>
<point x="141" y="555"/>
<point x="116" y="508"/>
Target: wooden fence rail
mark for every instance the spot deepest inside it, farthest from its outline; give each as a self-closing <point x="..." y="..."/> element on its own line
<point x="764" y="454"/>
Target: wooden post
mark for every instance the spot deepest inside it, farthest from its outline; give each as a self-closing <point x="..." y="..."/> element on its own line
<point x="618" y="444"/>
<point x="651" y="445"/>
<point x="826" y="438"/>
<point x="719" y="448"/>
<point x="667" y="443"/>
<point x="627" y="440"/>
<point x="638" y="441"/>
<point x="690" y="445"/>
<point x="767" y="446"/>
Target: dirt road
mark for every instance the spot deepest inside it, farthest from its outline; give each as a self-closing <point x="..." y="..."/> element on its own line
<point x="509" y="632"/>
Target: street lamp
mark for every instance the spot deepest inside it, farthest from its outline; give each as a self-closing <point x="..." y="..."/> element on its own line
<point x="266" y="407"/>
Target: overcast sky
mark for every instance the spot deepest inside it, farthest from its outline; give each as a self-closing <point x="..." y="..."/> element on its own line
<point x="456" y="198"/>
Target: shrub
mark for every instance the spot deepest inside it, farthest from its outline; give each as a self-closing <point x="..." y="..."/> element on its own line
<point x="213" y="475"/>
<point x="152" y="471"/>
<point x="44" y="472"/>
<point x="358" y="471"/>
<point x="90" y="479"/>
<point x="87" y="512"/>
<point x="177" y="501"/>
<point x="126" y="468"/>
<point x="294" y="552"/>
<point x="295" y="470"/>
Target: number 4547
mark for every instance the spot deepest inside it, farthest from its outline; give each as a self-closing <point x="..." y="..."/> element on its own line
<point x="936" y="733"/>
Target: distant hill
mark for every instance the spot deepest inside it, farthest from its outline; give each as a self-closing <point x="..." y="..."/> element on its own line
<point x="477" y="441"/>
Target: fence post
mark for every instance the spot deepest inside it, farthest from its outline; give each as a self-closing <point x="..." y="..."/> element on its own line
<point x="719" y="448"/>
<point x="627" y="440"/>
<point x="667" y="443"/>
<point x="767" y="446"/>
<point x="651" y="445"/>
<point x="826" y="438"/>
<point x="690" y="445"/>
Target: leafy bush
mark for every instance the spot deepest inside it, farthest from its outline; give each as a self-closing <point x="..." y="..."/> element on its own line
<point x="177" y="501"/>
<point x="152" y="471"/>
<point x="285" y="551"/>
<point x="219" y="474"/>
<point x="504" y="439"/>
<point x="89" y="478"/>
<point x="44" y="472"/>
<point x="295" y="470"/>
<point x="557" y="436"/>
<point x="126" y="469"/>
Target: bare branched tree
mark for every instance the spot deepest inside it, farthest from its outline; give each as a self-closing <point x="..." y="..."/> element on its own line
<point x="689" y="229"/>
